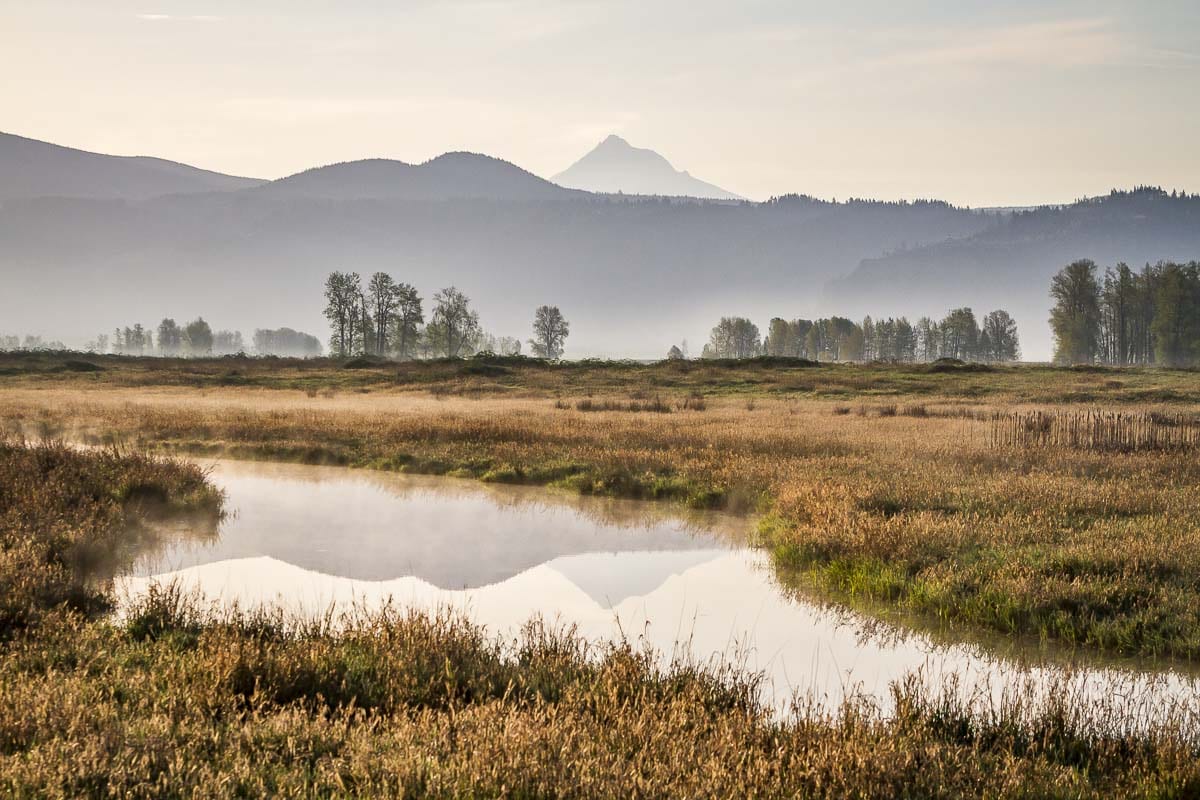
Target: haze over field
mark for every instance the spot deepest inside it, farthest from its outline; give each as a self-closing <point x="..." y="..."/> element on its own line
<point x="475" y="162"/>
<point x="634" y="274"/>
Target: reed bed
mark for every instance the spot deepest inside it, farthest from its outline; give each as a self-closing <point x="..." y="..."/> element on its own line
<point x="1097" y="430"/>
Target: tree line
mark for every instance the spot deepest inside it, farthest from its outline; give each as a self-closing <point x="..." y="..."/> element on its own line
<point x="197" y="339"/>
<point x="1127" y="317"/>
<point x="958" y="335"/>
<point x="386" y="318"/>
<point x="30" y="342"/>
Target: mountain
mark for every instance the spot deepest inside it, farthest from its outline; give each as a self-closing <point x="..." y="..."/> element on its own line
<point x="449" y="176"/>
<point x="633" y="274"/>
<point x="615" y="166"/>
<point x="30" y="168"/>
<point x="1009" y="265"/>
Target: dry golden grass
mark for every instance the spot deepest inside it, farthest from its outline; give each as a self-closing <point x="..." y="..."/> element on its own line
<point x="176" y="703"/>
<point x="905" y="500"/>
<point x="915" y="509"/>
<point x="1088" y="548"/>
<point x="68" y="519"/>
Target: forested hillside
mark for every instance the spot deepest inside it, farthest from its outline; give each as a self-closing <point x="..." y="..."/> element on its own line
<point x="1010" y="264"/>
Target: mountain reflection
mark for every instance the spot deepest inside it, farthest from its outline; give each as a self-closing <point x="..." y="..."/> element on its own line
<point x="454" y="535"/>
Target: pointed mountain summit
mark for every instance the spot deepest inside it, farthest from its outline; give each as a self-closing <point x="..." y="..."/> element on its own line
<point x="615" y="165"/>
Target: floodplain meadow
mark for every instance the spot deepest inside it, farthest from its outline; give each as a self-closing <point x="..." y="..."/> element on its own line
<point x="912" y="504"/>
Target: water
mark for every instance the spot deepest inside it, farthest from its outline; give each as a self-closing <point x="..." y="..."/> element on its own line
<point x="312" y="538"/>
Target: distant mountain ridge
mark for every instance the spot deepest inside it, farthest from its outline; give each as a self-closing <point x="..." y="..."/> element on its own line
<point x="456" y="175"/>
<point x="615" y="166"/>
<point x="30" y="168"/>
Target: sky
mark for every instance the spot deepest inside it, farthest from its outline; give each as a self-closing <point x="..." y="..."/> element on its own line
<point x="978" y="103"/>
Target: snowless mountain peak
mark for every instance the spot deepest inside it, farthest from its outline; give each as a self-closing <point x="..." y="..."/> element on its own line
<point x="615" y="166"/>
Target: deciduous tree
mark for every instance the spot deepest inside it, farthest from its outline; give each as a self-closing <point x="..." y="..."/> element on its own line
<point x="1075" y="318"/>
<point x="454" y="327"/>
<point x="342" y="301"/>
<point x="550" y="329"/>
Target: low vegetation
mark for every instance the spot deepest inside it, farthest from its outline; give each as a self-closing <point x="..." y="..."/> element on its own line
<point x="490" y="375"/>
<point x="176" y="699"/>
<point x="70" y="518"/>
<point x="902" y="501"/>
<point x="908" y="498"/>
<point x="393" y="705"/>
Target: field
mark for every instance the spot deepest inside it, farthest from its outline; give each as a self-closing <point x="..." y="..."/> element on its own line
<point x="898" y="488"/>
<point x="881" y="483"/>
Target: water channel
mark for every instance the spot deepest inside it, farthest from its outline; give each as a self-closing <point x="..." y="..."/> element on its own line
<point x="311" y="539"/>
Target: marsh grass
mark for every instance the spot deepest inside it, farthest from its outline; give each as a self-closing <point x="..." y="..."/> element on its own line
<point x="495" y="375"/>
<point x="69" y="519"/>
<point x="635" y="405"/>
<point x="1092" y="548"/>
<point x="176" y="698"/>
<point x="692" y="402"/>
<point x="195" y="701"/>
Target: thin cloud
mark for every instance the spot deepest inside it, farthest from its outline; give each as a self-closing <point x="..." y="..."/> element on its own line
<point x="1180" y="59"/>
<point x="1064" y="43"/>
<point x="311" y="108"/>
<point x="179" y="17"/>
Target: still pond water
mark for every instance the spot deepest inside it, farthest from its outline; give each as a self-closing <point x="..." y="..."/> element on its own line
<point x="312" y="538"/>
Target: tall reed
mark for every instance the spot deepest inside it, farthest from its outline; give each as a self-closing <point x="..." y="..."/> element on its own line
<point x="1092" y="429"/>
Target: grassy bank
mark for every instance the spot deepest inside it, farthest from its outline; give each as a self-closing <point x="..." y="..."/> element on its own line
<point x="880" y="483"/>
<point x="69" y="519"/>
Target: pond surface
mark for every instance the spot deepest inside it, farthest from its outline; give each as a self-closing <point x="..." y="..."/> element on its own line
<point x="312" y="538"/>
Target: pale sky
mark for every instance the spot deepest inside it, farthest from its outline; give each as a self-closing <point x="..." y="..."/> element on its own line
<point x="979" y="103"/>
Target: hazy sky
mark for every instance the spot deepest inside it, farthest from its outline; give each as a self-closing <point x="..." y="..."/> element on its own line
<point x="980" y="103"/>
